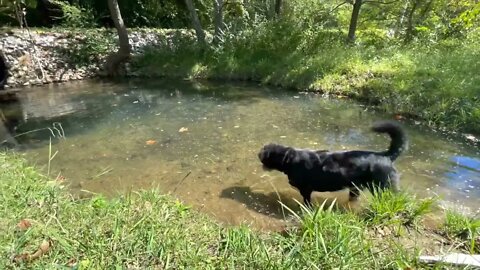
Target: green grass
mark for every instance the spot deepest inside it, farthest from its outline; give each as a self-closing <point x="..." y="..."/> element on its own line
<point x="396" y="209"/>
<point x="146" y="229"/>
<point x="466" y="230"/>
<point x="433" y="81"/>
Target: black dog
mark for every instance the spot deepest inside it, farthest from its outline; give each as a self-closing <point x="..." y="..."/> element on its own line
<point x="322" y="171"/>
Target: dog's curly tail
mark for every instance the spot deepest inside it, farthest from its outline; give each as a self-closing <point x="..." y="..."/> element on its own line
<point x="397" y="134"/>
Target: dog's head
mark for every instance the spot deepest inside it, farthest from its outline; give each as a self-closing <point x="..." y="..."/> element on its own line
<point x="276" y="157"/>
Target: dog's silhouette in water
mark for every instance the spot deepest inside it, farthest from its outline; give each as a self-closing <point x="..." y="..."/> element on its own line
<point x="322" y="170"/>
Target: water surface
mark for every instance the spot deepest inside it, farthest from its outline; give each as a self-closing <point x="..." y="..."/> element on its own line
<point x="200" y="141"/>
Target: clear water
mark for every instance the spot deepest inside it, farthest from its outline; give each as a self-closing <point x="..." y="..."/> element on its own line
<point x="199" y="141"/>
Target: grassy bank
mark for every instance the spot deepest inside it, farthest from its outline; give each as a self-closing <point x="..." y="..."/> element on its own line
<point x="43" y="227"/>
<point x="436" y="81"/>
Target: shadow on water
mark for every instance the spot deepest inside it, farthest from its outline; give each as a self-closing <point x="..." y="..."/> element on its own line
<point x="264" y="203"/>
<point x="135" y="134"/>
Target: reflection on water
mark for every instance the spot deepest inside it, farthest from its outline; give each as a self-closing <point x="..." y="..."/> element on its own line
<point x="464" y="175"/>
<point x="200" y="140"/>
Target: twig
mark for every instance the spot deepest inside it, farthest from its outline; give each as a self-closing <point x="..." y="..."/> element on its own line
<point x="33" y="46"/>
<point x="380" y="2"/>
<point x="105" y="171"/>
<point x="337" y="6"/>
<point x="181" y="181"/>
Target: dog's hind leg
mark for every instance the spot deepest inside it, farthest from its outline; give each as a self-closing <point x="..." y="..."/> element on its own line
<point x="385" y="178"/>
<point x="394" y="180"/>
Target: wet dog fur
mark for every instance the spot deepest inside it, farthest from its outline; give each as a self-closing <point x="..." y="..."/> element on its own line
<point x="323" y="170"/>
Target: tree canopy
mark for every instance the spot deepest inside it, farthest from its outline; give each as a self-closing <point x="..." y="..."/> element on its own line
<point x="400" y="19"/>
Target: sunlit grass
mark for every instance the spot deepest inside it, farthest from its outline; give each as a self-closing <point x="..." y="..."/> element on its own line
<point x="463" y="229"/>
<point x="401" y="208"/>
<point x="145" y="230"/>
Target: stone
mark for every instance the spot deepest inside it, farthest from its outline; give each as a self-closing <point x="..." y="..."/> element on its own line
<point x="18" y="48"/>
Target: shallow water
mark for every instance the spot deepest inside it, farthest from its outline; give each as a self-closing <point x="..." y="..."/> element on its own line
<point x="200" y="141"/>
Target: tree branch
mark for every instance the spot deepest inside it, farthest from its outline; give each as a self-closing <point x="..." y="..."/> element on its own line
<point x="338" y="6"/>
<point x="380" y="2"/>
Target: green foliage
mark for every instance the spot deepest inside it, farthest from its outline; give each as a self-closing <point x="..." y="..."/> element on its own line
<point x="9" y="10"/>
<point x="136" y="230"/>
<point x="93" y="46"/>
<point x="466" y="229"/>
<point x="434" y="81"/>
<point x="143" y="13"/>
<point x="396" y="208"/>
<point x="76" y="17"/>
<point x="425" y="20"/>
<point x="334" y="238"/>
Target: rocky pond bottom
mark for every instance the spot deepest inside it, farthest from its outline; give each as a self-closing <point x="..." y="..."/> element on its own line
<point x="199" y="141"/>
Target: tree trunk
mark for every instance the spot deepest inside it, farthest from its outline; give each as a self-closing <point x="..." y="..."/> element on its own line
<point x="401" y="19"/>
<point x="115" y="60"/>
<point x="409" y="30"/>
<point x="50" y="12"/>
<point x="278" y="7"/>
<point x="218" y="8"/>
<point x="196" y="22"/>
<point x="426" y="10"/>
<point x="354" y="20"/>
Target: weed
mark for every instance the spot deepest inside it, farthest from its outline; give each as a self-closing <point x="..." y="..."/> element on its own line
<point x="463" y="228"/>
<point x="389" y="208"/>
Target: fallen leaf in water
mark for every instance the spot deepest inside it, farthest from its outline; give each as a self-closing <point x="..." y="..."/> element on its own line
<point x="150" y="142"/>
<point x="398" y="117"/>
<point x="24" y="224"/>
<point x="60" y="178"/>
<point x="183" y="129"/>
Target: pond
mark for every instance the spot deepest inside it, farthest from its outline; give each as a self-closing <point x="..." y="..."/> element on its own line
<point x="199" y="141"/>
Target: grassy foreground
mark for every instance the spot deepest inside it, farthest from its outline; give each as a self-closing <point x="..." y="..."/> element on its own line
<point x="43" y="227"/>
<point x="436" y="81"/>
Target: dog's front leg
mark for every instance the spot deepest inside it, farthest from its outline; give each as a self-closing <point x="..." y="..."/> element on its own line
<point x="307" y="195"/>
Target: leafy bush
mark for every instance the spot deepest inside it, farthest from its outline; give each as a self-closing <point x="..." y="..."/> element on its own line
<point x="92" y="48"/>
<point x="76" y="17"/>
